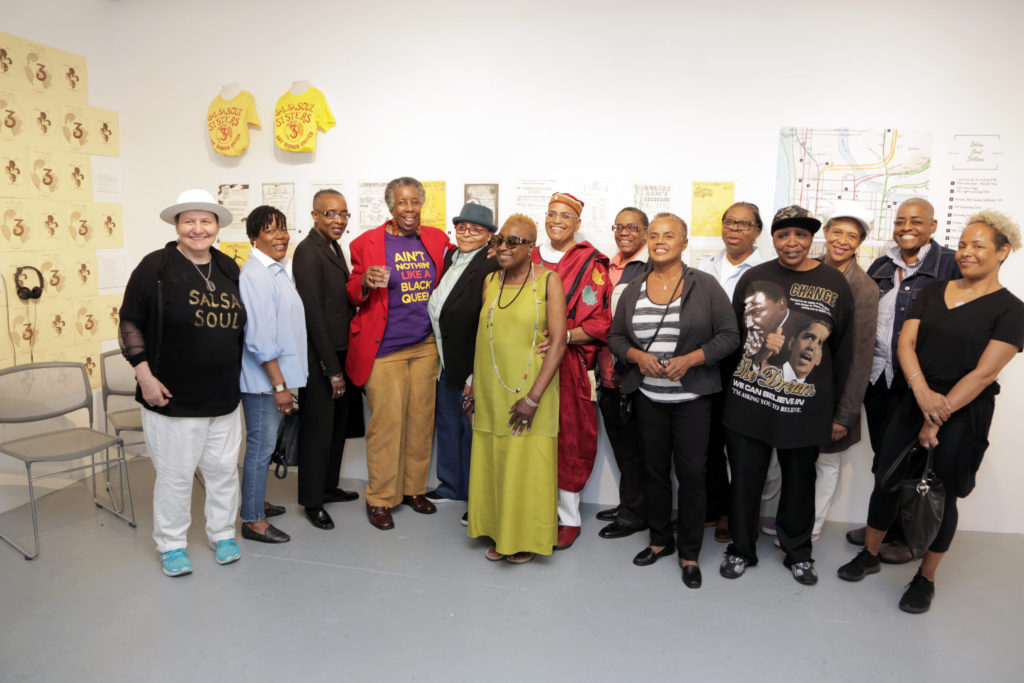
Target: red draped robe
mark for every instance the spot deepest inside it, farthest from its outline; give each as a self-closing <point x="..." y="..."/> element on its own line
<point x="588" y="307"/>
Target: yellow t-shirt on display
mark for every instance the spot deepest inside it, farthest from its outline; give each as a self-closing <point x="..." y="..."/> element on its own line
<point x="297" y="117"/>
<point x="229" y="121"/>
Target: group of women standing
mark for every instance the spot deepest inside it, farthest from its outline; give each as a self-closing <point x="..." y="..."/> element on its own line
<point x="477" y="332"/>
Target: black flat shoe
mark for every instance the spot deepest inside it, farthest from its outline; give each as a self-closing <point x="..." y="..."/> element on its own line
<point x="649" y="556"/>
<point x="608" y="515"/>
<point x="271" y="535"/>
<point x="337" y="495"/>
<point x="272" y="510"/>
<point x="619" y="530"/>
<point x="320" y="518"/>
<point x="691" y="576"/>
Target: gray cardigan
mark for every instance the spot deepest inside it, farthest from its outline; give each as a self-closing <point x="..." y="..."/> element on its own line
<point x="706" y="321"/>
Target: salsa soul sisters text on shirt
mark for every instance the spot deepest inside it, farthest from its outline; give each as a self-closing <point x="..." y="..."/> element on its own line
<point x="228" y="122"/>
<point x="297" y="118"/>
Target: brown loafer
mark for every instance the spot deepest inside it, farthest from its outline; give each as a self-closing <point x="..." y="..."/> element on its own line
<point x="420" y="504"/>
<point x="722" y="534"/>
<point x="380" y="517"/>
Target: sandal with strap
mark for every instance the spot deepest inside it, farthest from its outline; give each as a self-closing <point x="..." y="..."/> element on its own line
<point x="493" y="555"/>
<point x="519" y="558"/>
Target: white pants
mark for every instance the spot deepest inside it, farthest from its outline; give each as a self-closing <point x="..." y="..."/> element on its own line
<point x="827" y="468"/>
<point x="177" y="445"/>
<point x="569" y="508"/>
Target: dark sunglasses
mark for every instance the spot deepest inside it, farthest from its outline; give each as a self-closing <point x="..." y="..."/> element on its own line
<point x="511" y="241"/>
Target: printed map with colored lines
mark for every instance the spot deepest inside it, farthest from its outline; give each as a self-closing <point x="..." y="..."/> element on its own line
<point x="878" y="168"/>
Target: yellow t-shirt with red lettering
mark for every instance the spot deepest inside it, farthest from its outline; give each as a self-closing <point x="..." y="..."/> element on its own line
<point x="297" y="117"/>
<point x="229" y="121"/>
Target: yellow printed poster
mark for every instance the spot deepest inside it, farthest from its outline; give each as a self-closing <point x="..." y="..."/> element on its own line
<point x="710" y="201"/>
<point x="79" y="177"/>
<point x="16" y="224"/>
<point x="43" y="115"/>
<point x="91" y="321"/>
<point x="80" y="228"/>
<point x="40" y="67"/>
<point x="105" y="133"/>
<point x="14" y="171"/>
<point x="109" y="308"/>
<point x="434" y="208"/>
<point x="23" y="332"/>
<point x="108" y="224"/>
<point x="56" y="269"/>
<point x="87" y="354"/>
<point x="71" y="83"/>
<point x="82" y="273"/>
<point x="46" y="173"/>
<point x="11" y="50"/>
<point x="48" y="220"/>
<point x="75" y="126"/>
<point x="54" y="324"/>
<point x="14" y="117"/>
<point x="239" y="251"/>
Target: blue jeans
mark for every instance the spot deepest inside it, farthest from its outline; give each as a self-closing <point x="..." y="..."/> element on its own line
<point x="454" y="442"/>
<point x="262" y="420"/>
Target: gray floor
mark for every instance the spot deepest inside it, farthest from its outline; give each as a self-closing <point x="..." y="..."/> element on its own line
<point x="421" y="603"/>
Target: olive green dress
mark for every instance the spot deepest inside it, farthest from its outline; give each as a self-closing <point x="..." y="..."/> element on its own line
<point x="513" y="480"/>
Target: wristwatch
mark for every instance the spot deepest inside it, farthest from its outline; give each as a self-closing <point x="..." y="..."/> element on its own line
<point x="278" y="388"/>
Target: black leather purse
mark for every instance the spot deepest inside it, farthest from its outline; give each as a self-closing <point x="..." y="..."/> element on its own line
<point x="922" y="498"/>
<point x="286" y="451"/>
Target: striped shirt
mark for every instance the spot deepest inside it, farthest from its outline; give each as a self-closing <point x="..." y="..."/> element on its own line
<point x="885" y="332"/>
<point x="646" y="317"/>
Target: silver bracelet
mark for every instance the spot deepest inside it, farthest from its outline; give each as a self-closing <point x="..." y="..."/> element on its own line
<point x="568" y="336"/>
<point x="530" y="402"/>
<point x="911" y="378"/>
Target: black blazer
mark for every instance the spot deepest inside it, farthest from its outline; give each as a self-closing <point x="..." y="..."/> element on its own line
<point x="706" y="321"/>
<point x="460" y="316"/>
<point x="321" y="276"/>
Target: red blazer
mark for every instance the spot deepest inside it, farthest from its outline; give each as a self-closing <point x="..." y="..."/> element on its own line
<point x="368" y="325"/>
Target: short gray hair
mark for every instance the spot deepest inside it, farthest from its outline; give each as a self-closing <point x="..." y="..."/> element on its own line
<point x="404" y="181"/>
<point x="328" y="191"/>
<point x="672" y="217"/>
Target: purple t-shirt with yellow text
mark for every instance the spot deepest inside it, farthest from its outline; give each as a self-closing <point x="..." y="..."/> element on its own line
<point x="413" y="274"/>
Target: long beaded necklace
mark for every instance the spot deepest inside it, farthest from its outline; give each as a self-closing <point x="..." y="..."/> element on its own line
<point x="536" y="325"/>
<point x="210" y="287"/>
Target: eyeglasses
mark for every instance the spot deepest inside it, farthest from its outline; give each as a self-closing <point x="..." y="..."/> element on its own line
<point x="279" y="230"/>
<point x="730" y="225"/>
<point x="627" y="228"/>
<point x="473" y="230"/>
<point x="511" y="241"/>
<point x="331" y="215"/>
<point x="564" y="216"/>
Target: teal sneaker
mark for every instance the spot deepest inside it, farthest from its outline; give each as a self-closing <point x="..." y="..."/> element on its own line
<point x="175" y="562"/>
<point x="227" y="551"/>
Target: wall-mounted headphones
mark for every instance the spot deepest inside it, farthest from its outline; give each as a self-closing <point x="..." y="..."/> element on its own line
<point x="26" y="293"/>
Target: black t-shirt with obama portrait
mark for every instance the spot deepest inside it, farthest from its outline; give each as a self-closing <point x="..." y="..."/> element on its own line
<point x="191" y="337"/>
<point x="794" y="345"/>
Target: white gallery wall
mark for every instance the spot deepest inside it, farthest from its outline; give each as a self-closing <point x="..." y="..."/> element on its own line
<point x="576" y="92"/>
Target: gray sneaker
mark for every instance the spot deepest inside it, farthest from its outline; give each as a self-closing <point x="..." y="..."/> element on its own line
<point x="804" y="573"/>
<point x="732" y="566"/>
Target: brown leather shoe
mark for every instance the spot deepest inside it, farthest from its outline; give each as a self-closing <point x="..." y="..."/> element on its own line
<point x="380" y="517"/>
<point x="420" y="504"/>
<point x="722" y="534"/>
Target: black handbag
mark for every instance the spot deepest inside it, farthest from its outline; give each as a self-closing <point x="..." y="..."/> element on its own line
<point x="286" y="451"/>
<point x="922" y="499"/>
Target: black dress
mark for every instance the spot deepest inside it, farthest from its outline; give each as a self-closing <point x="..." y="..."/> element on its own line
<point x="950" y="342"/>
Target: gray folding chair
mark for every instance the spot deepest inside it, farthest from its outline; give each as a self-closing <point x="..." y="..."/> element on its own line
<point x="118" y="380"/>
<point x="43" y="391"/>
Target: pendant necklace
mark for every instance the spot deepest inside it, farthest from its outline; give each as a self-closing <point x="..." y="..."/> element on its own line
<point x="536" y="326"/>
<point x="210" y="287"/>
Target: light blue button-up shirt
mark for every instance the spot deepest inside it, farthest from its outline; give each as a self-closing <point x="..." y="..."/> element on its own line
<point x="275" y="325"/>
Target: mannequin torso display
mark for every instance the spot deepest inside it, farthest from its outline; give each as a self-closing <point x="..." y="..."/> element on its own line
<point x="229" y="91"/>
<point x="299" y="87"/>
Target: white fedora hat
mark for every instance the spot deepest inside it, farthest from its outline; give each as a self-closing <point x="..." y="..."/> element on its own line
<point x="196" y="200"/>
<point x="845" y="208"/>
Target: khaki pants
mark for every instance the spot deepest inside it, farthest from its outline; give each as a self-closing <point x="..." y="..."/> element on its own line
<point x="400" y="394"/>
